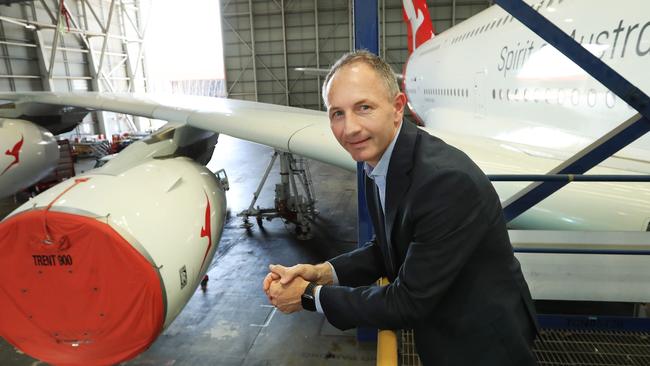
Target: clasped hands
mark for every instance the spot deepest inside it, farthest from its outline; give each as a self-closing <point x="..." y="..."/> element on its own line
<point x="284" y="286"/>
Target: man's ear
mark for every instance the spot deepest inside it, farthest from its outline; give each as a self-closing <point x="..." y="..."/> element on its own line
<point x="399" y="103"/>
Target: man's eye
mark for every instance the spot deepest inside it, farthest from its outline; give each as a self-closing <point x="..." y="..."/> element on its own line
<point x="364" y="107"/>
<point x="337" y="114"/>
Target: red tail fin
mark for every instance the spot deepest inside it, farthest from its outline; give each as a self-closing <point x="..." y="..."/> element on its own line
<point x="418" y="22"/>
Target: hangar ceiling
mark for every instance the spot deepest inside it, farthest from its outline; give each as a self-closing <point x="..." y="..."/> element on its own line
<point x="82" y="45"/>
<point x="265" y="40"/>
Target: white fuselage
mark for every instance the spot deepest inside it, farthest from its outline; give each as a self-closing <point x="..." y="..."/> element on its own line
<point x="494" y="80"/>
<point x="28" y="153"/>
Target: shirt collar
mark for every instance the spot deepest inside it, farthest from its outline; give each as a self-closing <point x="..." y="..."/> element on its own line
<point x="382" y="166"/>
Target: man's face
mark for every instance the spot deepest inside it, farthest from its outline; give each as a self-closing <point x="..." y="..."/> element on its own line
<point x="363" y="118"/>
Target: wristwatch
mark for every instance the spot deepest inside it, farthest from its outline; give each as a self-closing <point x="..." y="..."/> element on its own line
<point x="308" y="298"/>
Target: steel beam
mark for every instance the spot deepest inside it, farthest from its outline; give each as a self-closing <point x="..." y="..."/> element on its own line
<point x="240" y="75"/>
<point x="351" y="25"/>
<point x="94" y="14"/>
<point x="66" y="63"/>
<point x="568" y="178"/>
<point x="91" y="56"/>
<point x="143" y="30"/>
<point x="5" y="50"/>
<point x="135" y="121"/>
<point x="48" y="11"/>
<point x="106" y="30"/>
<point x="125" y="47"/>
<point x="252" y="48"/>
<point x="126" y="15"/>
<point x="605" y="146"/>
<point x="55" y="44"/>
<point x="46" y="82"/>
<point x="382" y="50"/>
<point x="453" y="13"/>
<point x="95" y="72"/>
<point x="11" y="77"/>
<point x="316" y="41"/>
<point x="73" y="30"/>
<point x="284" y="50"/>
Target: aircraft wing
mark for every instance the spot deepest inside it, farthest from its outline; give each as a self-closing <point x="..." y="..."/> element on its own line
<point x="307" y="133"/>
<point x="300" y="131"/>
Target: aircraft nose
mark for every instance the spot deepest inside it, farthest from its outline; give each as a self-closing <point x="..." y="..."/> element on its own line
<point x="75" y="292"/>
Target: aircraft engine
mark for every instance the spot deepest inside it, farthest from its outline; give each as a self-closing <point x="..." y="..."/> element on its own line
<point x="93" y="269"/>
<point x="28" y="153"/>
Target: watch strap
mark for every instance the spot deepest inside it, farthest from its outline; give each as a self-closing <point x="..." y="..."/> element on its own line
<point x="308" y="298"/>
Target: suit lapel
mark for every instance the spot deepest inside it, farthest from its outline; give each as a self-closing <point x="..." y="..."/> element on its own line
<point x="398" y="179"/>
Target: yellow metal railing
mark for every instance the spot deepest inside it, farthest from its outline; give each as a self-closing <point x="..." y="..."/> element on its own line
<point x="386" y="342"/>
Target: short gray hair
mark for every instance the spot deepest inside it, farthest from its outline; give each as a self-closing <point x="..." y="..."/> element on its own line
<point x="383" y="70"/>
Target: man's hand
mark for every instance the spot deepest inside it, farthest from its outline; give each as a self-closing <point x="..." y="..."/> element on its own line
<point x="320" y="273"/>
<point x="287" y="297"/>
<point x="266" y="285"/>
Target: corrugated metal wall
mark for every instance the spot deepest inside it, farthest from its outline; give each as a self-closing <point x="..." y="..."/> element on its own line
<point x="308" y="33"/>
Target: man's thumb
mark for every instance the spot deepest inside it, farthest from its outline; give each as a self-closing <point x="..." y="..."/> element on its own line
<point x="278" y="269"/>
<point x="290" y="274"/>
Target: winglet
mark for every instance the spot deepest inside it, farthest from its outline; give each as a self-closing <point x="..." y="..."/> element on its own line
<point x="418" y="24"/>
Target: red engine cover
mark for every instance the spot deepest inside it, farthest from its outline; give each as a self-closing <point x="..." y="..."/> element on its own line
<point x="86" y="298"/>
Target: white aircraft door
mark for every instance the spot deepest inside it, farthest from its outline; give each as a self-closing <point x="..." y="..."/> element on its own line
<point x="479" y="94"/>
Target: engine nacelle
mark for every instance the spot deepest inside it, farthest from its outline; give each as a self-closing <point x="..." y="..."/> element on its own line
<point x="28" y="153"/>
<point x="96" y="267"/>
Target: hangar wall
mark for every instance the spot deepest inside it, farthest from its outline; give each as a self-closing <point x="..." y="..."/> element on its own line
<point x="96" y="46"/>
<point x="265" y="40"/>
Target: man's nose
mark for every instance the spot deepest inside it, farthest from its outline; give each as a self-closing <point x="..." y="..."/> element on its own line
<point x="352" y="125"/>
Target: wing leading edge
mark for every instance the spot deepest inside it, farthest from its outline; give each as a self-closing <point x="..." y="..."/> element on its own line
<point x="300" y="131"/>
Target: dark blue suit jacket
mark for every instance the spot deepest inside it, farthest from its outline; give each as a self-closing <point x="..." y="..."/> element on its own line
<point x="445" y="248"/>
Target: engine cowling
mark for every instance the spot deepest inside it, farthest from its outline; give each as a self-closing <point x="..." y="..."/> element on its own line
<point x="96" y="267"/>
<point x="28" y="153"/>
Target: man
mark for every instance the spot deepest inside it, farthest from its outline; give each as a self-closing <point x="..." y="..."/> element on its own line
<point x="440" y="237"/>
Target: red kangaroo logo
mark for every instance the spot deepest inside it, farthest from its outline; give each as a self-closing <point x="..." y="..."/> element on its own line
<point x="207" y="230"/>
<point x="15" y="152"/>
<point x="420" y="29"/>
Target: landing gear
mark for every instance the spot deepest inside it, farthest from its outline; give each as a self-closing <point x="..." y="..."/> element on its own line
<point x="290" y="204"/>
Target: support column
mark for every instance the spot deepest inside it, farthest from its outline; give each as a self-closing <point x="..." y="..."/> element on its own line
<point x="453" y="13"/>
<point x="284" y="49"/>
<point x="55" y="44"/>
<point x="366" y="36"/>
<point x="316" y="40"/>
<point x="253" y="55"/>
<point x="99" y="122"/>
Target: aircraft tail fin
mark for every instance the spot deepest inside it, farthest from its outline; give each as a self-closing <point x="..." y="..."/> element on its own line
<point x="418" y="24"/>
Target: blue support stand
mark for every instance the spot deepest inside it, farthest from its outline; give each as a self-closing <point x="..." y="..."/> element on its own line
<point x="609" y="144"/>
<point x="366" y="36"/>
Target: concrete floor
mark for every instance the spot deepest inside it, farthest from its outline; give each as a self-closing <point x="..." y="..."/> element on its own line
<point x="231" y="323"/>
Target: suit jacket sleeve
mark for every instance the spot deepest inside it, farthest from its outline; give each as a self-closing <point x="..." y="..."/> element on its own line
<point x="447" y="225"/>
<point x="361" y="266"/>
